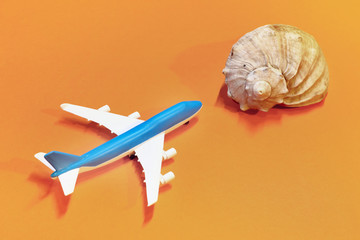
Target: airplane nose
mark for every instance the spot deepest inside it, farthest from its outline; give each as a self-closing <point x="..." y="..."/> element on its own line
<point x="192" y="106"/>
<point x="197" y="104"/>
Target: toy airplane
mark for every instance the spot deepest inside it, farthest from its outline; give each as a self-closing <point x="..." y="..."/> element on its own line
<point x="145" y="139"/>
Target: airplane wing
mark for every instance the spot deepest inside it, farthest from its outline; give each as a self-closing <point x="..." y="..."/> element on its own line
<point x="114" y="122"/>
<point x="150" y="156"/>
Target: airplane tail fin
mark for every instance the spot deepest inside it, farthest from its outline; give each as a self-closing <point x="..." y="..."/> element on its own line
<point x="60" y="160"/>
<point x="57" y="161"/>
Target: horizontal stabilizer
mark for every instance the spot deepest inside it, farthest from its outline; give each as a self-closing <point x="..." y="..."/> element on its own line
<point x="68" y="181"/>
<point x="60" y="160"/>
<point x="40" y="156"/>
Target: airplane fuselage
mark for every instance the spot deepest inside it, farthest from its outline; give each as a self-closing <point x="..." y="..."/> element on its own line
<point x="164" y="121"/>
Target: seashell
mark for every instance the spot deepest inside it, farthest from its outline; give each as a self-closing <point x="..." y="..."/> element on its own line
<point x="276" y="64"/>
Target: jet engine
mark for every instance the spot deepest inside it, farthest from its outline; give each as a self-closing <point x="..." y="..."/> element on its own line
<point x="134" y="115"/>
<point x="169" y="153"/>
<point x="104" y="108"/>
<point x="167" y="177"/>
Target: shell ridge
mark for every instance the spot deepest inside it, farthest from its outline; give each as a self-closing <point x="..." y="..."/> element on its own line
<point x="310" y="67"/>
<point x="304" y="96"/>
<point x="307" y="82"/>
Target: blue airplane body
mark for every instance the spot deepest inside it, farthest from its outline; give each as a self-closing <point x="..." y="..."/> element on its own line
<point x="159" y="123"/>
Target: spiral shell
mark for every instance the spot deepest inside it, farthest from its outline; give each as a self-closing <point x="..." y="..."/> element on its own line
<point x="276" y="64"/>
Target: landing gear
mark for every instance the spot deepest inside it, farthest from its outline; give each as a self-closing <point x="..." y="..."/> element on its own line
<point x="186" y="123"/>
<point x="132" y="156"/>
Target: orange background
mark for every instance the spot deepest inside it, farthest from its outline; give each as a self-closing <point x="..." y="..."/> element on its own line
<point x="286" y="174"/>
